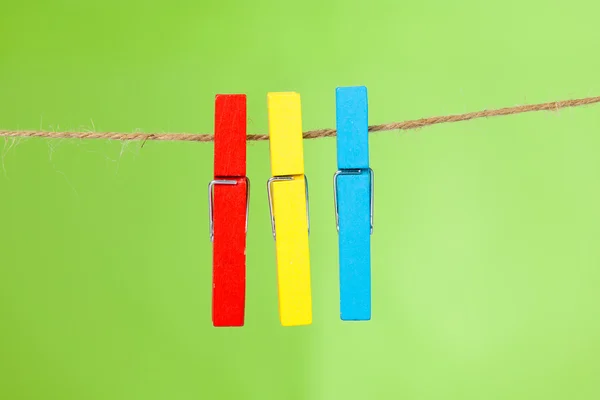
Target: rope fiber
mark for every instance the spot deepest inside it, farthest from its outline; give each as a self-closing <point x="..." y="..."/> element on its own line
<point x="315" y="134"/>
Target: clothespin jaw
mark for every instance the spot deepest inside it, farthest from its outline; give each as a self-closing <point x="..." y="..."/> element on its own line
<point x="288" y="204"/>
<point x="353" y="190"/>
<point x="228" y="206"/>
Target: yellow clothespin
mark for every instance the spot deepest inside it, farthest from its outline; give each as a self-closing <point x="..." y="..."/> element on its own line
<point x="288" y="204"/>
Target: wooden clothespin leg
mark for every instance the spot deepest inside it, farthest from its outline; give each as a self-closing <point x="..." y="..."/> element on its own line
<point x="353" y="194"/>
<point x="288" y="202"/>
<point x="228" y="211"/>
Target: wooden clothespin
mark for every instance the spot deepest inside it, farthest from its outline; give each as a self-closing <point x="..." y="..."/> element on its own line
<point x="288" y="204"/>
<point x="353" y="197"/>
<point x="228" y="200"/>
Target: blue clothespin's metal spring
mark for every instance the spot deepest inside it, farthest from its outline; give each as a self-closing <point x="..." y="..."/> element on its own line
<point x="352" y="172"/>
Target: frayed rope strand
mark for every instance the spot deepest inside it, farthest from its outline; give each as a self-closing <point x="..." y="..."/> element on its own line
<point x="320" y="133"/>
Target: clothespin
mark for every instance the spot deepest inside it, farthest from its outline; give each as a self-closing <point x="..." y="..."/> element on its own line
<point x="353" y="197"/>
<point x="228" y="205"/>
<point x="288" y="205"/>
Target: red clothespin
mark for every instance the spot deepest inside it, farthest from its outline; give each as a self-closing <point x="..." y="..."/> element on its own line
<point x="228" y="201"/>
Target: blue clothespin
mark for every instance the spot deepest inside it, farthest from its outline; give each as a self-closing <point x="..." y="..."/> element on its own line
<point x="353" y="198"/>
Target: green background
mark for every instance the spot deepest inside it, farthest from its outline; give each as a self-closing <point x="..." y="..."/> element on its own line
<point x="485" y="252"/>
